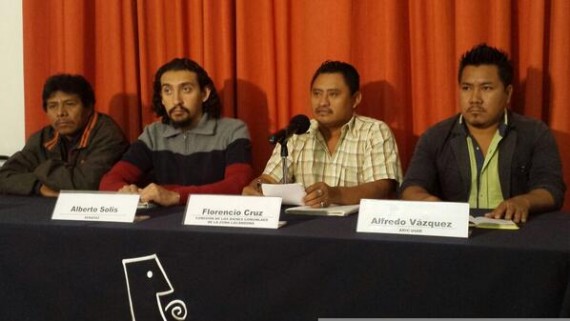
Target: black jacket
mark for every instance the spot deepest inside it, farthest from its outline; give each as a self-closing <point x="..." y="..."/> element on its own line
<point x="528" y="159"/>
<point x="43" y="159"/>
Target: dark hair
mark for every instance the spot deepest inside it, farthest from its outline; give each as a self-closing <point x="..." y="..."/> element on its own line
<point x="69" y="84"/>
<point x="483" y="54"/>
<point x="212" y="106"/>
<point x="349" y="73"/>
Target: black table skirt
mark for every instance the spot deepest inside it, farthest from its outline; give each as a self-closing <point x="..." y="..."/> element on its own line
<point x="314" y="267"/>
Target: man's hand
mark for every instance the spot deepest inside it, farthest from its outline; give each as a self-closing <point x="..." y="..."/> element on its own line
<point x="516" y="209"/>
<point x="159" y="195"/>
<point x="417" y="193"/>
<point x="48" y="192"/>
<point x="519" y="207"/>
<point x="129" y="189"/>
<point x="319" y="195"/>
<point x="254" y="188"/>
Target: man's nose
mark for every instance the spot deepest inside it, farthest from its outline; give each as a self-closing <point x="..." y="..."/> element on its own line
<point x="475" y="96"/>
<point x="176" y="99"/>
<point x="324" y="101"/>
<point x="61" y="110"/>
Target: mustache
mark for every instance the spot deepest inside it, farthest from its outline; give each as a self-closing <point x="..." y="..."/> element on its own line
<point x="178" y="108"/>
<point x="476" y="108"/>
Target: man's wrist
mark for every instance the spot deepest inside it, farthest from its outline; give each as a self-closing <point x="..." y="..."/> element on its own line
<point x="176" y="198"/>
<point x="524" y="201"/>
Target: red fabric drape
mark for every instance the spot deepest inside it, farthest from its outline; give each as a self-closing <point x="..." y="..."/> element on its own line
<point x="262" y="54"/>
<point x="96" y="39"/>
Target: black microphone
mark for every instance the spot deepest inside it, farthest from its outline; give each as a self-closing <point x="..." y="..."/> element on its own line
<point x="297" y="125"/>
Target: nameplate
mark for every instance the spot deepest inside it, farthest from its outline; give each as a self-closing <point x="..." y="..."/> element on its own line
<point x="417" y="218"/>
<point x="95" y="206"/>
<point x="233" y="211"/>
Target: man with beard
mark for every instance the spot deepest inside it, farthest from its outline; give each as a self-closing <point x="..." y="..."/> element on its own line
<point x="191" y="150"/>
<point x="344" y="157"/>
<point x="73" y="152"/>
<point x="487" y="155"/>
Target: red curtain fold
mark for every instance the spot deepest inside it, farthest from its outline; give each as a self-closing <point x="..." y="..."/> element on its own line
<point x="96" y="39"/>
<point x="261" y="55"/>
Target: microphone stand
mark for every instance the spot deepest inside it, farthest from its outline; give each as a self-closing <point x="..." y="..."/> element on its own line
<point x="284" y="154"/>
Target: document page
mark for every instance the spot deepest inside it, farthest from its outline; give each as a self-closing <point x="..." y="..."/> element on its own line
<point x="292" y="194"/>
<point x="333" y="210"/>
<point x="492" y="223"/>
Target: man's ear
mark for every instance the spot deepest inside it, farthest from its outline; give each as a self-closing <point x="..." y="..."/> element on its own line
<point x="509" y="91"/>
<point x="206" y="93"/>
<point x="91" y="110"/>
<point x="357" y="97"/>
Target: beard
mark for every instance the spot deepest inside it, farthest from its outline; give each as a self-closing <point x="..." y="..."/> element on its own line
<point x="182" y="123"/>
<point x="481" y="118"/>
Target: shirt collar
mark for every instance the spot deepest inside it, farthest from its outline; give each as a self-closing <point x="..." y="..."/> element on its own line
<point x="348" y="127"/>
<point x="84" y="133"/>
<point x="503" y="126"/>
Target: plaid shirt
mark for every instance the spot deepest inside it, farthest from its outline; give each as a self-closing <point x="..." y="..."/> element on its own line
<point x="366" y="152"/>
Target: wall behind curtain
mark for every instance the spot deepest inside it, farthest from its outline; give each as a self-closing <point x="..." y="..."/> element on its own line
<point x="12" y="67"/>
<point x="261" y="55"/>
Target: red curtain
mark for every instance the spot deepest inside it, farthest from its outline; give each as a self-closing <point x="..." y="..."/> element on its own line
<point x="261" y="54"/>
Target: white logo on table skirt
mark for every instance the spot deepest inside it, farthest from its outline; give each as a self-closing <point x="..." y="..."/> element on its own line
<point x="147" y="283"/>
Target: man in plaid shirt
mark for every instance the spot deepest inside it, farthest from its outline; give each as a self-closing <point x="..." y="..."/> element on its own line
<point x="343" y="157"/>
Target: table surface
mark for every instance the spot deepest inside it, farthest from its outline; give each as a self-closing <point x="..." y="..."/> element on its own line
<point x="312" y="267"/>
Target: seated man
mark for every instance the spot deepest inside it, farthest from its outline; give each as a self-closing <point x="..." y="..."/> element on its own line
<point x="487" y="155"/>
<point x="344" y="157"/>
<point x="191" y="150"/>
<point x="73" y="152"/>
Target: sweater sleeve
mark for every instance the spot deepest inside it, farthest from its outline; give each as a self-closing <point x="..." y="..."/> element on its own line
<point x="236" y="177"/>
<point x="131" y="169"/>
<point x="123" y="173"/>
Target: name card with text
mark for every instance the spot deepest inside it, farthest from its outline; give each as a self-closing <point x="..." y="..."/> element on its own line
<point x="95" y="206"/>
<point x="233" y="211"/>
<point x="418" y="218"/>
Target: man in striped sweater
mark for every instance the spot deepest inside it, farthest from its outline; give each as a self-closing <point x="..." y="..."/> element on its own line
<point x="191" y="149"/>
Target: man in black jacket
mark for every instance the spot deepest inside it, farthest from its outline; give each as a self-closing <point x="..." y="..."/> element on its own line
<point x="488" y="156"/>
<point x="73" y="152"/>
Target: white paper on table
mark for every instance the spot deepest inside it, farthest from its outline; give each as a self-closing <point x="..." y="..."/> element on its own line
<point x="292" y="194"/>
<point x="331" y="210"/>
